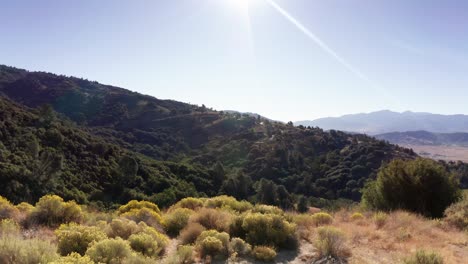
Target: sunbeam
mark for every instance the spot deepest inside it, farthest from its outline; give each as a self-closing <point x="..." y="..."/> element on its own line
<point x="320" y="43"/>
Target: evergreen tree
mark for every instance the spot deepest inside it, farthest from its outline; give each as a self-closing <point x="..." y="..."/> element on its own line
<point x="303" y="204"/>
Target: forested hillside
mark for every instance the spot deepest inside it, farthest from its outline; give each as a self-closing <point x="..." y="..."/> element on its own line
<point x="102" y="144"/>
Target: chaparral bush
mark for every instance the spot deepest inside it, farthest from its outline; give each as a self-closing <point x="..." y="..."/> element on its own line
<point x="77" y="238"/>
<point x="52" y="211"/>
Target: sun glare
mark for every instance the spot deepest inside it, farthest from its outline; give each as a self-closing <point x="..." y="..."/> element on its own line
<point x="241" y="4"/>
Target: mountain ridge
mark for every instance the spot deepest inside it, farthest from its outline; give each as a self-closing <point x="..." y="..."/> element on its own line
<point x="386" y="121"/>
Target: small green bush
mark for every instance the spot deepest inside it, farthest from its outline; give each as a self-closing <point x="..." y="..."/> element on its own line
<point x="264" y="253"/>
<point x="110" y="251"/>
<point x="189" y="203"/>
<point x="52" y="211"/>
<point x="357" y="217"/>
<point x="423" y="257"/>
<point x="77" y="238"/>
<point x="223" y="237"/>
<point x="239" y="247"/>
<point x="380" y="218"/>
<point x="144" y="244"/>
<point x="229" y="203"/>
<point x="149" y="242"/>
<point x="122" y="227"/>
<point x="148" y="216"/>
<point x="210" y="246"/>
<point x="320" y="219"/>
<point x="176" y="220"/>
<point x="457" y="214"/>
<point x="7" y="209"/>
<point x="73" y="258"/>
<point x="189" y="234"/>
<point x="268" y="229"/>
<point x="25" y="208"/>
<point x="15" y="250"/>
<point x="138" y="205"/>
<point x="267" y="209"/>
<point x="331" y="243"/>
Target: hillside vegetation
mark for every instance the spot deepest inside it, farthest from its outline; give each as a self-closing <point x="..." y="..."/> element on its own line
<point x="221" y="229"/>
<point x="101" y="144"/>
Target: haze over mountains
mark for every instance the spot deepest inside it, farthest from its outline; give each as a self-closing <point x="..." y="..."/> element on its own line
<point x="388" y="121"/>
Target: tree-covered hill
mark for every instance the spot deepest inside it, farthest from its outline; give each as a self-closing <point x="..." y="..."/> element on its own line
<point x="115" y="144"/>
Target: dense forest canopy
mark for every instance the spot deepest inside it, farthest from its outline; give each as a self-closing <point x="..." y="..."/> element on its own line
<point x="101" y="144"/>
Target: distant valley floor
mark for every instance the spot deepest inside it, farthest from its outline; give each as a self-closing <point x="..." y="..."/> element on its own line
<point x="440" y="152"/>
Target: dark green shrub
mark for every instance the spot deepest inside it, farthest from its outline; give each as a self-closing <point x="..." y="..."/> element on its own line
<point x="421" y="186"/>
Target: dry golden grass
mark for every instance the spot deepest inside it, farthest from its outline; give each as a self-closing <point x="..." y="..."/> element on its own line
<point x="401" y="236"/>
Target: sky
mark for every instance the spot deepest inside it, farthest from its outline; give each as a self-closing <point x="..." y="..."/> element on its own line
<point x="284" y="59"/>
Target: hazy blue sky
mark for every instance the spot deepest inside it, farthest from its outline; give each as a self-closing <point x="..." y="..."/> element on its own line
<point x="310" y="59"/>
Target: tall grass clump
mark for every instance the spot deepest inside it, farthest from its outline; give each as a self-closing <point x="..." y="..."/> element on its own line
<point x="423" y="257"/>
<point x="331" y="242"/>
<point x="380" y="218"/>
<point x="457" y="214"/>
<point x="16" y="250"/>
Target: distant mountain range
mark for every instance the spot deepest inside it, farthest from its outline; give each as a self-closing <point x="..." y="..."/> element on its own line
<point x="388" y="121"/>
<point x="425" y="138"/>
